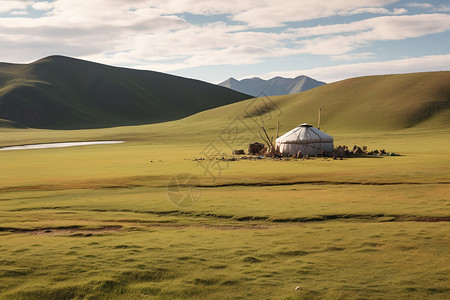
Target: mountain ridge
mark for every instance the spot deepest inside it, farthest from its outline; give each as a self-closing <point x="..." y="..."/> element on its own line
<point x="272" y="87"/>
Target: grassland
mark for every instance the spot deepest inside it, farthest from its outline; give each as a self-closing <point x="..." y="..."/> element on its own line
<point x="96" y="222"/>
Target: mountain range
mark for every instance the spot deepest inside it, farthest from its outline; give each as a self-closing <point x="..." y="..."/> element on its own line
<point x="59" y="92"/>
<point x="276" y="86"/>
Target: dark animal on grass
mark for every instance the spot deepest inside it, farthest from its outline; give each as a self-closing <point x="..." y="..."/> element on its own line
<point x="255" y="148"/>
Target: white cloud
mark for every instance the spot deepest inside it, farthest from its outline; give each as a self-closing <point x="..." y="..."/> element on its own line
<point x="374" y="10"/>
<point x="82" y="30"/>
<point x="332" y="41"/>
<point x="442" y="8"/>
<point x="285" y="11"/>
<point x="420" y="5"/>
<point x="206" y="7"/>
<point x="431" y="7"/>
<point x="382" y="27"/>
<point x="43" y="5"/>
<point x="354" y="56"/>
<point x="9" y="5"/>
<point x="218" y="43"/>
<point x="340" y="72"/>
<point x="196" y="46"/>
<point x="276" y="13"/>
<point x="18" y="12"/>
<point x="402" y="27"/>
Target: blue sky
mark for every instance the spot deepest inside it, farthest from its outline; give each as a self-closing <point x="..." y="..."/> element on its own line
<point x="213" y="40"/>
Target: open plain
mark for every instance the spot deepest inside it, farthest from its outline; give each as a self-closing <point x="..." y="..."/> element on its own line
<point x="102" y="221"/>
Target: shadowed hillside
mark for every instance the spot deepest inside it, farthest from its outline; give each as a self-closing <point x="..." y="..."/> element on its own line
<point x="64" y="93"/>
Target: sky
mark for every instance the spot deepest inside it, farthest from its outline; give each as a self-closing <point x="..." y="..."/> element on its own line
<point x="212" y="40"/>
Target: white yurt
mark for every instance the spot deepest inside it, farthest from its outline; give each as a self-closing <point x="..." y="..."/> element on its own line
<point x="305" y="138"/>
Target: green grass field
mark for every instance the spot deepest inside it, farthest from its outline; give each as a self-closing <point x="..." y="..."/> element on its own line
<point x="96" y="222"/>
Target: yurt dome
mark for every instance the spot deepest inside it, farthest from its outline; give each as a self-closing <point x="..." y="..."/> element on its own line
<point x="307" y="139"/>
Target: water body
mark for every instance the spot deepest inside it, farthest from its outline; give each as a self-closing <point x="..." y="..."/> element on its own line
<point x="58" y="145"/>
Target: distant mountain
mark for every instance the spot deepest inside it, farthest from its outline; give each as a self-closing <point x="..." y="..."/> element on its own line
<point x="276" y="86"/>
<point x="59" y="92"/>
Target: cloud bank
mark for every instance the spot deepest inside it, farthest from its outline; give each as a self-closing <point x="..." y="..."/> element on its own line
<point x="183" y="34"/>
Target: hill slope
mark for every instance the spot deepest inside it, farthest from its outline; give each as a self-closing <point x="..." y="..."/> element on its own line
<point x="9" y="124"/>
<point x="65" y="93"/>
<point x="378" y="103"/>
<point x="275" y="86"/>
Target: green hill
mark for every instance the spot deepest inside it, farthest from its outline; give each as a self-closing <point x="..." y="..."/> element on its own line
<point x="372" y="103"/>
<point x="65" y="93"/>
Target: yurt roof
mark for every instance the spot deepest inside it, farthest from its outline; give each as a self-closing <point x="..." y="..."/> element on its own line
<point x="304" y="133"/>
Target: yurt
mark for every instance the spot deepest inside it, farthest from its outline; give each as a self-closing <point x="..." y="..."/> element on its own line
<point x="307" y="139"/>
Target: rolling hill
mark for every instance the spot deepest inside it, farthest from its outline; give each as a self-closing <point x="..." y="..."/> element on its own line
<point x="65" y="93"/>
<point x="272" y="87"/>
<point x="371" y="103"/>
